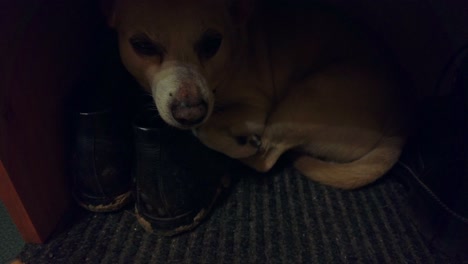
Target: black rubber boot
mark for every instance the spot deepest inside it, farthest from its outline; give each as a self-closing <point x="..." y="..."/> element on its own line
<point x="102" y="157"/>
<point x="178" y="180"/>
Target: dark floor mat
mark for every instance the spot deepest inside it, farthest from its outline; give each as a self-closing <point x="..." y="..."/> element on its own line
<point x="282" y="218"/>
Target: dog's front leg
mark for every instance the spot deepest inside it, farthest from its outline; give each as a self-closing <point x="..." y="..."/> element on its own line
<point x="270" y="151"/>
<point x="263" y="160"/>
<point x="234" y="131"/>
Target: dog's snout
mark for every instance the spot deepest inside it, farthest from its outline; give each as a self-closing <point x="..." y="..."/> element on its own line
<point x="189" y="112"/>
<point x="188" y="92"/>
<point x="188" y="107"/>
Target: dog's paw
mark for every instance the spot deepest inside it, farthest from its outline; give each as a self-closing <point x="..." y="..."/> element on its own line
<point x="254" y="141"/>
<point x="233" y="146"/>
<point x="258" y="162"/>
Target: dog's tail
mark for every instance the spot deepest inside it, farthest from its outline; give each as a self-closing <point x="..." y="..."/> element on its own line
<point x="356" y="173"/>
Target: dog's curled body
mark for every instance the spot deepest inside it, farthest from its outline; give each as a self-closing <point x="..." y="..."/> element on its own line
<point x="302" y="82"/>
<point x="330" y="101"/>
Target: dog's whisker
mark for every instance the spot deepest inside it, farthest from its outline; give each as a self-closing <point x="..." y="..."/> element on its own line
<point x="147" y="93"/>
<point x="154" y="118"/>
<point x="150" y="107"/>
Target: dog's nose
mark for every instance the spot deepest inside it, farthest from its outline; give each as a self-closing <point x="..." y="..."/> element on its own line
<point x="189" y="113"/>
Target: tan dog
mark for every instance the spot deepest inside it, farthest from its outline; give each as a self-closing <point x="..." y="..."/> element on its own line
<point x="257" y="85"/>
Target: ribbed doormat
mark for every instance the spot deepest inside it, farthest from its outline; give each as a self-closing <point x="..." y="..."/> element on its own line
<point x="280" y="218"/>
<point x="10" y="239"/>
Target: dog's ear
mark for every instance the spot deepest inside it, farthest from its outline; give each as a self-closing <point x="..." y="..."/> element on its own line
<point x="108" y="9"/>
<point x="240" y="10"/>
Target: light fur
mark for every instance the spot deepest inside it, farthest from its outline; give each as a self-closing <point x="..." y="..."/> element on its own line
<point x="306" y="82"/>
<point x="165" y="82"/>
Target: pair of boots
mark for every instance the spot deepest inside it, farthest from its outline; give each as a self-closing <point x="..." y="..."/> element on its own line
<point x="117" y="158"/>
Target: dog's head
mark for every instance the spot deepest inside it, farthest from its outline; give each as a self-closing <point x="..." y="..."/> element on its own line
<point x="179" y="50"/>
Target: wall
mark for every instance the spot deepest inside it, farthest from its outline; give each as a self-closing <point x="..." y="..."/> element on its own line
<point x="44" y="49"/>
<point x="423" y="33"/>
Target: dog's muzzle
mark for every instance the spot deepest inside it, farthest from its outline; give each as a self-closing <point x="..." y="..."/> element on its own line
<point x="189" y="113"/>
<point x="181" y="95"/>
<point x="188" y="107"/>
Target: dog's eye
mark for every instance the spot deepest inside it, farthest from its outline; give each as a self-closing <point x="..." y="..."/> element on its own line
<point x="209" y="44"/>
<point x="146" y="47"/>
